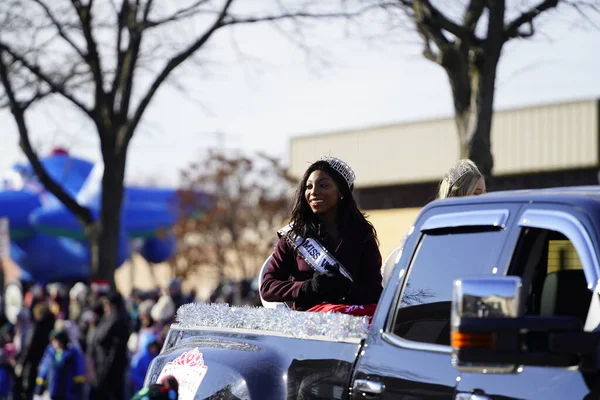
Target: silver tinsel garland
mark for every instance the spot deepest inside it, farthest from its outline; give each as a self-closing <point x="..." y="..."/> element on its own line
<point x="298" y="324"/>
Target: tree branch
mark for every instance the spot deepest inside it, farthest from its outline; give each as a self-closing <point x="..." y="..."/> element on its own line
<point x="40" y="94"/>
<point x="431" y="16"/>
<point x="121" y="22"/>
<point x="222" y="20"/>
<point x="41" y="89"/>
<point x="189" y="11"/>
<point x="36" y="70"/>
<point x="585" y="14"/>
<point x="429" y="32"/>
<point x="147" y="10"/>
<point x="59" y="28"/>
<point x="129" y="60"/>
<point x="92" y="57"/>
<point x="171" y="65"/>
<point x="511" y="30"/>
<point x="473" y="14"/>
<point x="83" y="214"/>
<point x="428" y="51"/>
<point x="25" y="104"/>
<point x="237" y="20"/>
<point x="529" y="33"/>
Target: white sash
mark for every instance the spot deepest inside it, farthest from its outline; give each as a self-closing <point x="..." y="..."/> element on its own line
<point x="314" y="253"/>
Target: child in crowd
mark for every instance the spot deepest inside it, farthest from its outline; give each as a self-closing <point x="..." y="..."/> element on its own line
<point x="149" y="349"/>
<point x="61" y="371"/>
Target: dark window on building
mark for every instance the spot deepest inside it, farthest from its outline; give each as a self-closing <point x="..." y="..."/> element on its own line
<point x="419" y="194"/>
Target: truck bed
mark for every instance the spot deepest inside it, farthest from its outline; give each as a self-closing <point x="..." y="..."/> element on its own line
<point x="224" y="362"/>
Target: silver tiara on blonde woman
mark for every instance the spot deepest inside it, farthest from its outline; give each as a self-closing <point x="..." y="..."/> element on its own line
<point x="342" y="168"/>
<point x="458" y="171"/>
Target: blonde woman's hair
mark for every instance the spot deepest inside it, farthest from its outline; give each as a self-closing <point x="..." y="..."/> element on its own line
<point x="460" y="180"/>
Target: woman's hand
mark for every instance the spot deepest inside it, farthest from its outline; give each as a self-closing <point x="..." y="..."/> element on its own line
<point x="331" y="286"/>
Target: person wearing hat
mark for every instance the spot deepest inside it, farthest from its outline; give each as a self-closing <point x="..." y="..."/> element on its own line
<point x="59" y="300"/>
<point x="61" y="371"/>
<point x="174" y="292"/>
<point x="325" y="211"/>
<point x="77" y="300"/>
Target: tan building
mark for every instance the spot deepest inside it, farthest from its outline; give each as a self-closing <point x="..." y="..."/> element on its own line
<point x="398" y="166"/>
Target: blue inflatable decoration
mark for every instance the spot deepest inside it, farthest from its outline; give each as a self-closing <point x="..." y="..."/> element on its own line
<point x="47" y="242"/>
<point x="155" y="249"/>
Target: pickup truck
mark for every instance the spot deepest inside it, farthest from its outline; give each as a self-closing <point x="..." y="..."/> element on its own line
<point x="491" y="297"/>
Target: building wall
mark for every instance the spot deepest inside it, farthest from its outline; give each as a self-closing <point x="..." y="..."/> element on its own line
<point x="383" y="155"/>
<point x="543" y="138"/>
<point x="391" y="226"/>
<point x="552" y="137"/>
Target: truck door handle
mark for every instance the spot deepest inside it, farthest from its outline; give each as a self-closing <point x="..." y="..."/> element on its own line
<point x="366" y="386"/>
<point x="471" y="396"/>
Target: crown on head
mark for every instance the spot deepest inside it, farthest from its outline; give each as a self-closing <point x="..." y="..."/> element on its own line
<point x="458" y="171"/>
<point x="342" y="168"/>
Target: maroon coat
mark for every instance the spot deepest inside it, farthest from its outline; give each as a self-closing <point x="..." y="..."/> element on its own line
<point x="287" y="272"/>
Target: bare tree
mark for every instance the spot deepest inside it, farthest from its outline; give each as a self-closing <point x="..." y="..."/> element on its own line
<point x="108" y="59"/>
<point x="466" y="38"/>
<point x="235" y="231"/>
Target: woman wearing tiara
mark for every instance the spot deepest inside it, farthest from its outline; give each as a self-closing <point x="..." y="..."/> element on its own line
<point x="326" y="215"/>
<point x="464" y="179"/>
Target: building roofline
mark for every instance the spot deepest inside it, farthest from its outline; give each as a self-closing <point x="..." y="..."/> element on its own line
<point x="344" y="131"/>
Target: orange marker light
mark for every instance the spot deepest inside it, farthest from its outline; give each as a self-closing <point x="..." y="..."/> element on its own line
<point x="473" y="340"/>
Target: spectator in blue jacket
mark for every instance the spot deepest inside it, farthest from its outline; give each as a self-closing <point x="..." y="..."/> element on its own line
<point x="6" y="378"/>
<point x="148" y="350"/>
<point x="61" y="371"/>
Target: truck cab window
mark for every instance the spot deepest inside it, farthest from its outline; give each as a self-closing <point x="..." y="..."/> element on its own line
<point x="423" y="313"/>
<point x="552" y="274"/>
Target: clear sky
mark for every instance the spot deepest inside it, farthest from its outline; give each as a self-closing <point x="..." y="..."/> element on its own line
<point x="259" y="105"/>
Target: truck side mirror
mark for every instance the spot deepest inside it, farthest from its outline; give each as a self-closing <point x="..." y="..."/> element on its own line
<point x="482" y="299"/>
<point x="490" y="334"/>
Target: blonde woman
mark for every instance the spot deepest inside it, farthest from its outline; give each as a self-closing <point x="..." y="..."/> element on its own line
<point x="464" y="179"/>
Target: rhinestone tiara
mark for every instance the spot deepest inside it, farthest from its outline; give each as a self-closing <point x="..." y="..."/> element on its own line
<point x="458" y="171"/>
<point x="342" y="168"/>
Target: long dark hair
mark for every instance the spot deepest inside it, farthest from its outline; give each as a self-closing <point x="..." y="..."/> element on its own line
<point x="306" y="223"/>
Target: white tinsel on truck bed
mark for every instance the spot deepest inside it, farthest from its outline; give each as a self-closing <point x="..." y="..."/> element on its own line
<point x="298" y="324"/>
